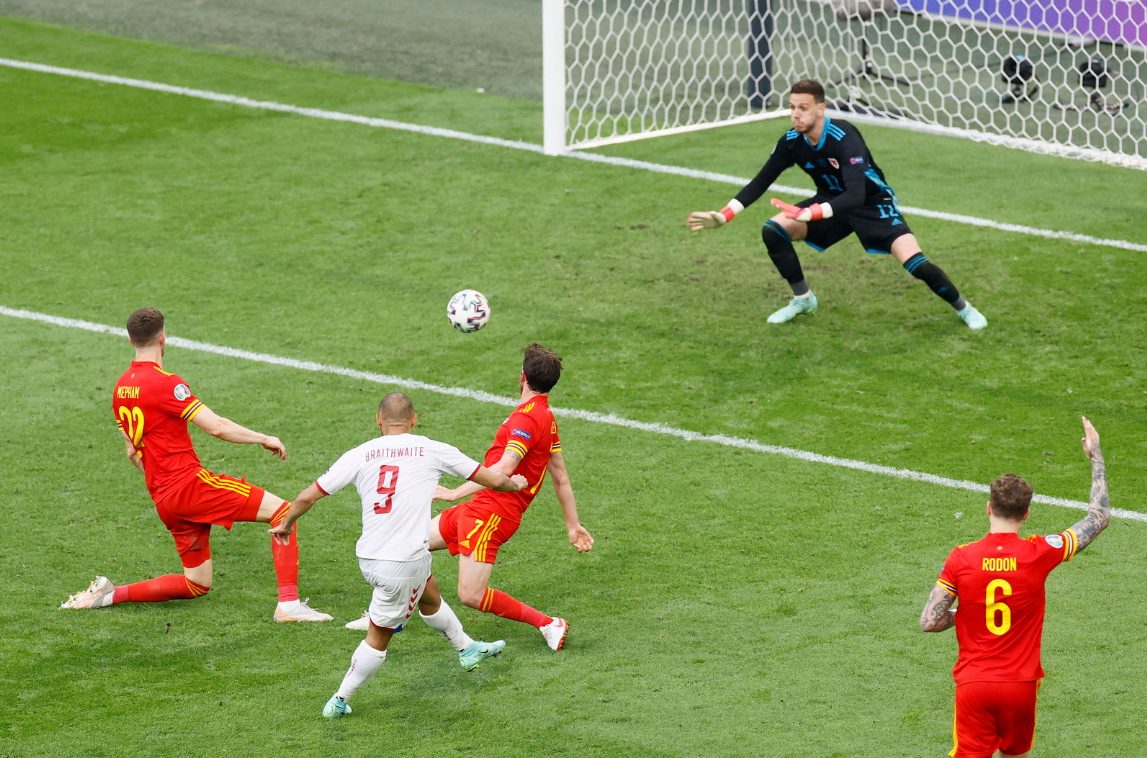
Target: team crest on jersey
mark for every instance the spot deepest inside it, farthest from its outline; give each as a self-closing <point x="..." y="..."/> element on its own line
<point x="182" y="392"/>
<point x="520" y="433"/>
<point x="1054" y="540"/>
<point x="832" y="162"/>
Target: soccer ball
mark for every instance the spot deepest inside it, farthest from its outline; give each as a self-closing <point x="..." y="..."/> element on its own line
<point x="468" y="311"/>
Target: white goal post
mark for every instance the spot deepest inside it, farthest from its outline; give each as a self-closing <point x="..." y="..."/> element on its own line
<point x="1062" y="78"/>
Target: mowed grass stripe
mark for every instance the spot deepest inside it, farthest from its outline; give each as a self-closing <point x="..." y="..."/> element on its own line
<point x="381" y="123"/>
<point x="593" y="416"/>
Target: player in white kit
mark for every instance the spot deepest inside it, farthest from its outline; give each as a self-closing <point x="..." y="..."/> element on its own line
<point x="395" y="476"/>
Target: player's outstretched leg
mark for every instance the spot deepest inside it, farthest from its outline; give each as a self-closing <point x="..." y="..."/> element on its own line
<point x="932" y="275"/>
<point x="780" y="246"/>
<point x="102" y="593"/>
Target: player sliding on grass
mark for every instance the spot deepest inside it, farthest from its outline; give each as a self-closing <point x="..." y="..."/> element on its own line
<point x="396" y="476"/>
<point x="152" y="409"/>
<point x="851" y="196"/>
<point x="526" y="443"/>
<point x="1000" y="585"/>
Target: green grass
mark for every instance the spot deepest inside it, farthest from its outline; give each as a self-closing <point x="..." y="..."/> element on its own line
<point x="735" y="603"/>
<point x="463" y="44"/>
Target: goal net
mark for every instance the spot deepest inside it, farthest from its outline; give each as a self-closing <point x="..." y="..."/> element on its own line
<point x="1064" y="77"/>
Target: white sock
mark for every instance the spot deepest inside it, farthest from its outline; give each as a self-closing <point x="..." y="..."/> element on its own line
<point x="448" y="625"/>
<point x="288" y="605"/>
<point x="365" y="661"/>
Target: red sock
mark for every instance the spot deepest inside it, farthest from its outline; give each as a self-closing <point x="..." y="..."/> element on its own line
<point x="169" y="587"/>
<point x="286" y="559"/>
<point x="500" y="603"/>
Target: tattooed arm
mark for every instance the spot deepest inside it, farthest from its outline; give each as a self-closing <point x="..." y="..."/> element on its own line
<point x="1099" y="509"/>
<point x="938" y="615"/>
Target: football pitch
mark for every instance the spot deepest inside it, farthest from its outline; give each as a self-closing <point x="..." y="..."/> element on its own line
<point x="745" y="597"/>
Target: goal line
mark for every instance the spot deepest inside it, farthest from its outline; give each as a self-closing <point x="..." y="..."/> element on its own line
<point x="382" y="123"/>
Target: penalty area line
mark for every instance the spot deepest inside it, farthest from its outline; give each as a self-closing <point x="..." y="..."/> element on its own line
<point x="591" y="416"/>
<point x="382" y="123"/>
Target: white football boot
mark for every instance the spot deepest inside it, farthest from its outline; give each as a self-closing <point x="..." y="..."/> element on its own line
<point x="555" y="633"/>
<point x="98" y="594"/>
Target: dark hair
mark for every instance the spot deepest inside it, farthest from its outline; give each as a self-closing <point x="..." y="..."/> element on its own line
<point x="396" y="408"/>
<point x="1010" y="497"/>
<point x="809" y="87"/>
<point x="542" y="367"/>
<point x="144" y="326"/>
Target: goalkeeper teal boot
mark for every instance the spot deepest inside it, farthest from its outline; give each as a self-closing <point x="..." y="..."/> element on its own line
<point x="972" y="317"/>
<point x="796" y="307"/>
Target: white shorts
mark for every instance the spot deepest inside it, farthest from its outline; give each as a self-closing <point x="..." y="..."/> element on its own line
<point x="398" y="586"/>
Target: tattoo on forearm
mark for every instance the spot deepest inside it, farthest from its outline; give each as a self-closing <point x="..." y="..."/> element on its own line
<point x="1099" y="510"/>
<point x="936" y="616"/>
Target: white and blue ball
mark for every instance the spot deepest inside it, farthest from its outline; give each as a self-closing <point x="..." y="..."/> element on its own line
<point x="468" y="311"/>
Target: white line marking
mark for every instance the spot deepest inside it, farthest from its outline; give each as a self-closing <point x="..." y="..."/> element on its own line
<point x="600" y="418"/>
<point x="267" y="105"/>
<point x="383" y="123"/>
<point x="952" y="217"/>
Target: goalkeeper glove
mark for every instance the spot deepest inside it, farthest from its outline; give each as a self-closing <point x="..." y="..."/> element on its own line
<point x="713" y="219"/>
<point x="814" y="212"/>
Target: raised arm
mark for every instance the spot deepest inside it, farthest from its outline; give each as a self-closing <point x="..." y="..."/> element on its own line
<point x="938" y="614"/>
<point x="509" y="461"/>
<point x="1099" y="508"/>
<point x="579" y="535"/>
<point x="228" y="431"/>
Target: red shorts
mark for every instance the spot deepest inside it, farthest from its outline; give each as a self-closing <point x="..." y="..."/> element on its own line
<point x="204" y="500"/>
<point x="475" y="531"/>
<point x="993" y="716"/>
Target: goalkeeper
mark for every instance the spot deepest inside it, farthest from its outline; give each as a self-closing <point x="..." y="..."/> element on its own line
<point x="851" y="196"/>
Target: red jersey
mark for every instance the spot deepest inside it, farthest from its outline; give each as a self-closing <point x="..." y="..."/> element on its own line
<point x="532" y="433"/>
<point x="153" y="407"/>
<point x="1000" y="583"/>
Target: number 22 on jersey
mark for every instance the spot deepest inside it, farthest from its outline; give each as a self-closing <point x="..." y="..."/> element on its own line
<point x="132" y="421"/>
<point x="387" y="484"/>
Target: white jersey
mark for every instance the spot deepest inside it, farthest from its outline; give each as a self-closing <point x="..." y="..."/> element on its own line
<point x="395" y="476"/>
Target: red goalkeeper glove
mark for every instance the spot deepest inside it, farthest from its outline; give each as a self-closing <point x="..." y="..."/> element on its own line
<point x="814" y="212"/>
